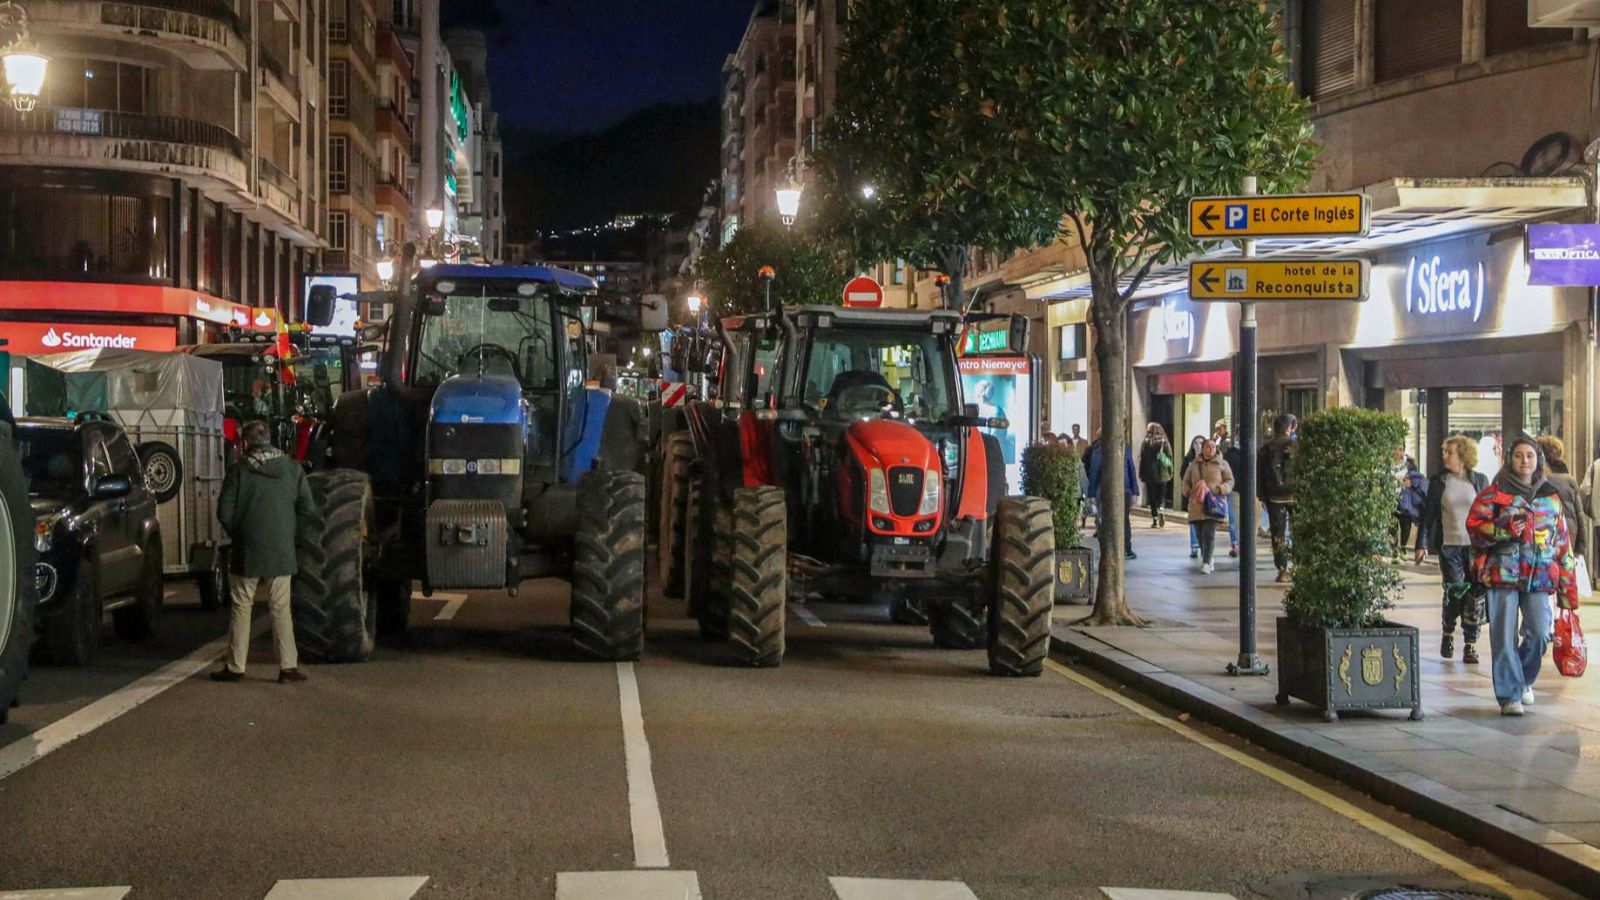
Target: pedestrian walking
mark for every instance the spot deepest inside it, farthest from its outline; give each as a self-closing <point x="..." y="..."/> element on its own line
<point x="1233" y="455"/>
<point x="1276" y="480"/>
<point x="1442" y="531"/>
<point x="1130" y="488"/>
<point x="1567" y="488"/>
<point x="264" y="501"/>
<point x="1156" y="470"/>
<point x="1522" y="555"/>
<point x="1079" y="442"/>
<point x="1207" y="482"/>
<point x="1413" y="493"/>
<point x="1194" y="529"/>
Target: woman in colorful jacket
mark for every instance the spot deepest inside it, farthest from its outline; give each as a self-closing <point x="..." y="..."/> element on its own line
<point x="1522" y="555"/>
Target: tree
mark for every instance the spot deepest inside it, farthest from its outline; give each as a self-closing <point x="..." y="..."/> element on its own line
<point x="1108" y="114"/>
<point x="809" y="269"/>
<point x="946" y="173"/>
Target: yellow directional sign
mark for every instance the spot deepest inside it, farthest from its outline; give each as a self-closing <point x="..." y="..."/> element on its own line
<point x="1280" y="216"/>
<point x="1279" y="279"/>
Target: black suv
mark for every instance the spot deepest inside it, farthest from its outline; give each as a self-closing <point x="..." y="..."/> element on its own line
<point x="96" y="531"/>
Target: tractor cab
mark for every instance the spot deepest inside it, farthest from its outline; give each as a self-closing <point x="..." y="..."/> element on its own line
<point x="290" y="380"/>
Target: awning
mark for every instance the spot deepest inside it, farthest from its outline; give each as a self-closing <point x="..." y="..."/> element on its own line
<point x="1404" y="211"/>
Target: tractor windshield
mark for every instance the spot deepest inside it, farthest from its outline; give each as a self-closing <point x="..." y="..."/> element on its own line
<point x="867" y="372"/>
<point x="490" y="334"/>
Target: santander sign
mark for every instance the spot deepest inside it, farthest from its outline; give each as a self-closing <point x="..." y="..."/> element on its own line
<point x="45" y="337"/>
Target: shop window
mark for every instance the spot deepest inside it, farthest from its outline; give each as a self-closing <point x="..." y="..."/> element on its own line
<point x="1330" y="45"/>
<point x="84" y="233"/>
<point x="1072" y="341"/>
<point x="1415" y="36"/>
<point x="1506" y="29"/>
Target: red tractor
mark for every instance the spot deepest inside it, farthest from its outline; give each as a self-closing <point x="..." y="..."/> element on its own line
<point x="839" y="459"/>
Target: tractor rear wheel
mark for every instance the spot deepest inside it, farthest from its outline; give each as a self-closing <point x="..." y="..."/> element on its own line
<point x="334" y="610"/>
<point x="956" y="624"/>
<point x="758" y="582"/>
<point x="19" y="597"/>
<point x="674" y="535"/>
<point x="1024" y="587"/>
<point x="711" y="602"/>
<point x="607" y="611"/>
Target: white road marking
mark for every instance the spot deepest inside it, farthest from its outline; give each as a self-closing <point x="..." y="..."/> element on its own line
<point x="890" y="889"/>
<point x="807" y="616"/>
<point x="68" y="894"/>
<point x="627" y="886"/>
<point x="403" y="888"/>
<point x="1157" y="894"/>
<point x="452" y="605"/>
<point x="644" y="811"/>
<point x="25" y="751"/>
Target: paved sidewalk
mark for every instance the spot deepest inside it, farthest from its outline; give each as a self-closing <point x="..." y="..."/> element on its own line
<point x="1527" y="788"/>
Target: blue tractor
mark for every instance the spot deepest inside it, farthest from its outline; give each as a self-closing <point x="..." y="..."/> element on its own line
<point x="482" y="458"/>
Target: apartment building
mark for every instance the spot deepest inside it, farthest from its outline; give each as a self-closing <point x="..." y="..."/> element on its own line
<point x="477" y="166"/>
<point x="758" y="116"/>
<point x="396" y="121"/>
<point x="352" y="138"/>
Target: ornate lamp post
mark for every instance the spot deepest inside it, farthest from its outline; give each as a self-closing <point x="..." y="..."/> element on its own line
<point x="24" y="65"/>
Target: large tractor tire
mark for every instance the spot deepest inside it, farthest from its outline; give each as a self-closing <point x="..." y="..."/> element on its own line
<point x="956" y="624"/>
<point x="19" y="598"/>
<point x="758" y="580"/>
<point x="673" y="539"/>
<point x="711" y="611"/>
<point x="335" y="615"/>
<point x="608" y="567"/>
<point x="1024" y="587"/>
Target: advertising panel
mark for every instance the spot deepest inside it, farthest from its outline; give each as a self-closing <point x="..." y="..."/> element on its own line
<point x="344" y="311"/>
<point x="1564" y="255"/>
<point x="38" y="338"/>
<point x="1002" y="387"/>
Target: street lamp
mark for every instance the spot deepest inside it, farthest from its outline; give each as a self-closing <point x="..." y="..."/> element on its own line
<point x="694" y="301"/>
<point x="789" y="199"/>
<point x="386" y="270"/>
<point x="435" y="217"/>
<point x="24" y="65"/>
<point x="869" y="191"/>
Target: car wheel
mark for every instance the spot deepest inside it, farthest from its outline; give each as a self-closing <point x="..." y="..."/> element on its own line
<point x="72" y="636"/>
<point x="136" y="621"/>
<point x="213" y="583"/>
<point x="163" y="470"/>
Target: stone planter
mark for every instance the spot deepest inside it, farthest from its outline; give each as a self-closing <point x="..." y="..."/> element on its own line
<point x="1075" y="575"/>
<point x="1339" y="669"/>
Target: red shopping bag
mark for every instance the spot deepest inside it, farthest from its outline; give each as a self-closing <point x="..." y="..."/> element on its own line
<point x="1569" y="651"/>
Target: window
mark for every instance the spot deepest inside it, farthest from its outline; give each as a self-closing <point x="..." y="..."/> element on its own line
<point x="1072" y="341"/>
<point x="338" y="20"/>
<point x="68" y="231"/>
<point x="99" y="84"/>
<point x="337" y="222"/>
<point x="339" y="164"/>
<point x="1330" y="45"/>
<point x="857" y="372"/>
<point x="338" y="88"/>
<point x="1415" y="36"/>
<point x="898" y="272"/>
<point x="1506" y="29"/>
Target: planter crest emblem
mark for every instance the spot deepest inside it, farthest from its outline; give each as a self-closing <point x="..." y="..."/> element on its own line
<point x="1372" y="666"/>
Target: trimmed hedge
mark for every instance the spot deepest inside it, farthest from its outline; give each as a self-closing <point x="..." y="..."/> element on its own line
<point x="1052" y="472"/>
<point x="1344" y="519"/>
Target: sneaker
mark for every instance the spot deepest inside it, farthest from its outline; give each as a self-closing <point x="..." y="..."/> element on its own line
<point x="1194" y="553"/>
<point x="1283" y="576"/>
<point x="226" y="674"/>
<point x="291" y="676"/>
<point x="1447" y="646"/>
<point x="1234" y="552"/>
<point x="1130" y="555"/>
<point x="1511" y="709"/>
<point x="1469" y="653"/>
<point x="1207" y="569"/>
<point x="1527" y="696"/>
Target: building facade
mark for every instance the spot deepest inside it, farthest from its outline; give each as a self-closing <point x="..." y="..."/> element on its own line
<point x="758" y="116"/>
<point x="352" y="138"/>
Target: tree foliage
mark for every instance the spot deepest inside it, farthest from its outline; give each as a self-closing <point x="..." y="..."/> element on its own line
<point x="1053" y="472"/>
<point x="1345" y="498"/>
<point x="808" y="269"/>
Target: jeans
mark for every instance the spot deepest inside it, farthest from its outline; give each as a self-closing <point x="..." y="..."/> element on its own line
<point x="1233" y="518"/>
<point x="244" y="594"/>
<point x="1206" y="531"/>
<point x="1278" y="518"/>
<point x="1194" y="537"/>
<point x="1461" y="602"/>
<point x="1127" y="521"/>
<point x="1517" y="649"/>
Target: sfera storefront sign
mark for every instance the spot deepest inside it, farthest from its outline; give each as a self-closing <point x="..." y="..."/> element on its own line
<point x="1437" y="288"/>
<point x="1450" y="288"/>
<point x="39" y="338"/>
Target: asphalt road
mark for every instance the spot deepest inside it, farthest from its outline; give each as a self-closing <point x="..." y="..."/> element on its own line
<point x="489" y="760"/>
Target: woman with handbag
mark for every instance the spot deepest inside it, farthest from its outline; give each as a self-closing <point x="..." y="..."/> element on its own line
<point x="1155" y="470"/>
<point x="1522" y="555"/>
<point x="1207" y="482"/>
<point x="1443" y="531"/>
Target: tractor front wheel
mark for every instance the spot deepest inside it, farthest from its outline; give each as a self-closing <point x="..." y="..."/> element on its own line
<point x="758" y="578"/>
<point x="334" y="611"/>
<point x="607" y="609"/>
<point x="674" y="536"/>
<point x="956" y="624"/>
<point x="1024" y="587"/>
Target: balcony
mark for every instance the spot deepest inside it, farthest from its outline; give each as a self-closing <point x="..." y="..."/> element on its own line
<point x="206" y="33"/>
<point x="392" y="121"/>
<point x="106" y="139"/>
<point x="278" y="82"/>
<point x="391" y="51"/>
<point x="390" y="196"/>
<point x="278" y="191"/>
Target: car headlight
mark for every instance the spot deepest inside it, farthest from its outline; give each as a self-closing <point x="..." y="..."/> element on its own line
<point x="877" y="491"/>
<point x="930" y="492"/>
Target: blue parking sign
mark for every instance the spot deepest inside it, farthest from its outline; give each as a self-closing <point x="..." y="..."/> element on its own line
<point x="1235" y="216"/>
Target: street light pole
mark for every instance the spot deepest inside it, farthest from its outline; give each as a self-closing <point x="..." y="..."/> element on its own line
<point x="1249" y="663"/>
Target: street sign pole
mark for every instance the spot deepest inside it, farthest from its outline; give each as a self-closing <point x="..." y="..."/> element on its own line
<point x="1248" y="663"/>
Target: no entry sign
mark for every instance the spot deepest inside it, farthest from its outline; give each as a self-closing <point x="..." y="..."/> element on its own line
<point x="863" y="291"/>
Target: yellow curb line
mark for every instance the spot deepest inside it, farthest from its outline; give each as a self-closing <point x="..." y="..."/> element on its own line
<point x="1422" y="848"/>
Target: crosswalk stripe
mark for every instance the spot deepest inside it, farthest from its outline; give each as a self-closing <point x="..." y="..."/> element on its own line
<point x="657" y="885"/>
<point x="1159" y="894"/>
<point x="889" y="889"/>
<point x="403" y="888"/>
<point x="68" y="894"/>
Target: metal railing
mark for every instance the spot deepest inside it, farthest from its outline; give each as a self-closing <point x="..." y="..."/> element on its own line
<point x="112" y="124"/>
<point x="210" y="9"/>
<point x="273" y="64"/>
<point x="277" y="176"/>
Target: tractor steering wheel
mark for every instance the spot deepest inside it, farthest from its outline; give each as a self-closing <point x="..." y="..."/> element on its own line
<point x="484" y="352"/>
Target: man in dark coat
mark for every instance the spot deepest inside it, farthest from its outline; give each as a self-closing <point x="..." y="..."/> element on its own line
<point x="265" y="498"/>
<point x="1276" y="483"/>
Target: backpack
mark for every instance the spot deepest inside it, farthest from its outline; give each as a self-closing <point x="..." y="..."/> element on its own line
<point x="1275" y="470"/>
<point x="1164" y="464"/>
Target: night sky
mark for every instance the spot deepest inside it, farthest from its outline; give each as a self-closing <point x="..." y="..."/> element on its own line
<point x="573" y="66"/>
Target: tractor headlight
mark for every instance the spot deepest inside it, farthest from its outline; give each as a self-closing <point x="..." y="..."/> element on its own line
<point x="453" y="466"/>
<point x="930" y="492"/>
<point x="877" y="491"/>
<point x="488" y="467"/>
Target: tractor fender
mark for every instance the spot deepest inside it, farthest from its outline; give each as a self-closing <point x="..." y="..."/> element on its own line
<point x="609" y="435"/>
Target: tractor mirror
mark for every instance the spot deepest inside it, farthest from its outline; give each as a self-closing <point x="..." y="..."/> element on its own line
<point x="653" y="312"/>
<point x="1017" y="341"/>
<point x="504" y="304"/>
<point x="319" y="305"/>
<point x="433" y="305"/>
<point x="373" y="332"/>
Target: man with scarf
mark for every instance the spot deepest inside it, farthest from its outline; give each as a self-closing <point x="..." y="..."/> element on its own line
<point x="264" y="499"/>
<point x="1522" y="554"/>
